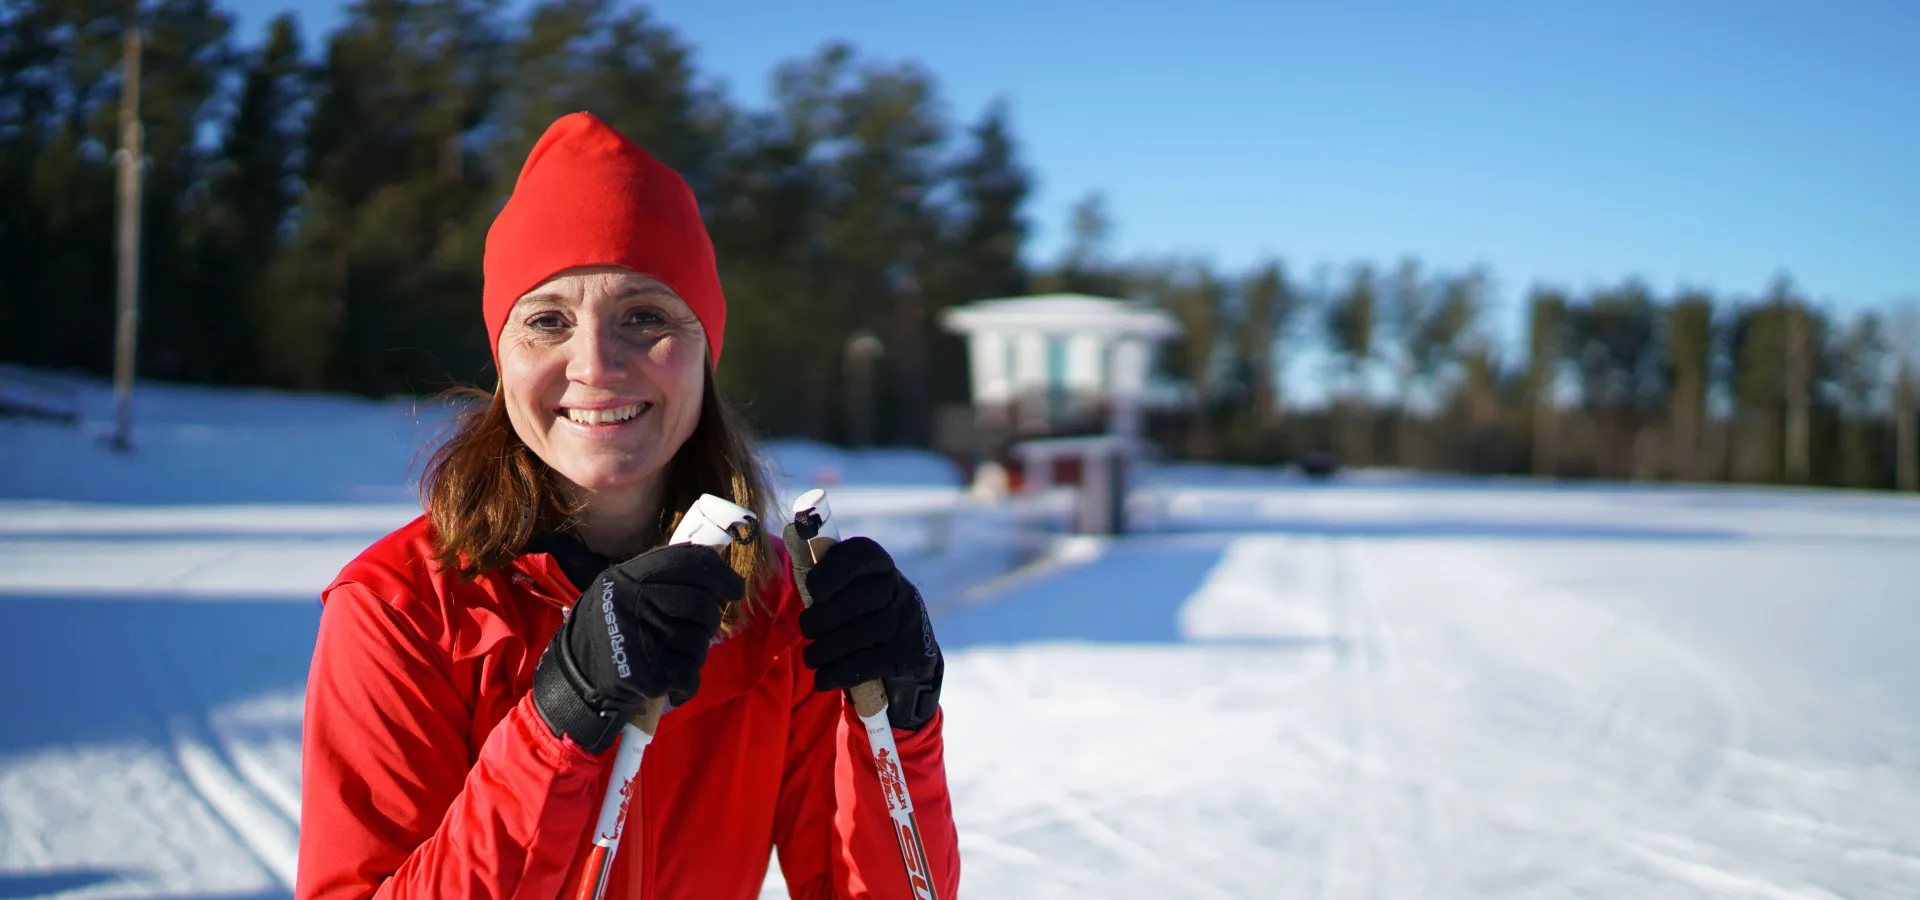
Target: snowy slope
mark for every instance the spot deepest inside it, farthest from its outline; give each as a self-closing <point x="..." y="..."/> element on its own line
<point x="1308" y="715"/>
<point x="1383" y="687"/>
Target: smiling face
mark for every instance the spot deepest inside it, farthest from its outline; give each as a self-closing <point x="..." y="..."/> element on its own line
<point x="603" y="371"/>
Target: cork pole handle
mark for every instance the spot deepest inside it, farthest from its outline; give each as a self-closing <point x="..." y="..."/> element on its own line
<point x="647" y="719"/>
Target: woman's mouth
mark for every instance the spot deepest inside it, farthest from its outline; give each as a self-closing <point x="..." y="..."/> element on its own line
<point x="603" y="418"/>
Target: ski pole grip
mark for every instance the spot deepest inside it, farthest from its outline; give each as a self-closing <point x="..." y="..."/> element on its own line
<point x="712" y="522"/>
<point x="869" y="697"/>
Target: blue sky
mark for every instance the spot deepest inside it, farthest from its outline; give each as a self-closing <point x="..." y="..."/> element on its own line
<point x="1709" y="143"/>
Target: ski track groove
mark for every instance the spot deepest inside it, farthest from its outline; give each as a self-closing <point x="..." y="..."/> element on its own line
<point x="1732" y="702"/>
<point x="1629" y="715"/>
<point x="269" y="783"/>
<point x="1053" y="805"/>
<point x="267" y="835"/>
<point x="1059" y="806"/>
<point x="1348" y="868"/>
<point x="1602" y="716"/>
<point x="1414" y="760"/>
<point x="1626" y="734"/>
<point x="1081" y="818"/>
<point x="1041" y="866"/>
<point x="1696" y="791"/>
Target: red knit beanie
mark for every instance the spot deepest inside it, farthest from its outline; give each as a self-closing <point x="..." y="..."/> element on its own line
<point x="587" y="196"/>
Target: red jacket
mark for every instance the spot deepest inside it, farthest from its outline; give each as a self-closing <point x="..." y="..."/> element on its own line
<point x="426" y="772"/>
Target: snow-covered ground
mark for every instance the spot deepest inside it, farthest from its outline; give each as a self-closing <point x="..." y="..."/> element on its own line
<point x="1382" y="687"/>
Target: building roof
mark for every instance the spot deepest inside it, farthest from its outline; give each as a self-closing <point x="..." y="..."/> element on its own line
<point x="1063" y="314"/>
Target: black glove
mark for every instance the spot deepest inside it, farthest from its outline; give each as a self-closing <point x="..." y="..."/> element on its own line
<point x="640" y="630"/>
<point x="865" y="621"/>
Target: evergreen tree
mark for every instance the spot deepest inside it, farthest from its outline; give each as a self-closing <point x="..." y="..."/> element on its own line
<point x="1860" y="357"/>
<point x="1547" y="344"/>
<point x="396" y="196"/>
<point x="982" y="243"/>
<point x="1085" y="266"/>
<point x="1271" y="303"/>
<point x="1616" y="350"/>
<point x="254" y="188"/>
<point x="991" y="227"/>
<point x="1350" y="327"/>
<point x="1689" y="357"/>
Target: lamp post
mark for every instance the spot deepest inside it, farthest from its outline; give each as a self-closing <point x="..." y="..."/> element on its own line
<point x="862" y="350"/>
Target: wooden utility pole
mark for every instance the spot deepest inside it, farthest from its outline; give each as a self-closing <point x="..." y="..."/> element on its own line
<point x="131" y="160"/>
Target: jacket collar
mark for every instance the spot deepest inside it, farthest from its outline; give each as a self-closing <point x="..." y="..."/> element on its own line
<point x="578" y="565"/>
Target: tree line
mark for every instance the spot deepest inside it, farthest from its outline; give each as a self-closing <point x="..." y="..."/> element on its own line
<point x="1616" y="381"/>
<point x="315" y="214"/>
<point x="314" y="218"/>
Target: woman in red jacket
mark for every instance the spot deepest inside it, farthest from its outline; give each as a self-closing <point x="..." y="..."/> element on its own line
<point x="473" y="668"/>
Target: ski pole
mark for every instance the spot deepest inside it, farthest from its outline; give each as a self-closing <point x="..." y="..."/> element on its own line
<point x="813" y="523"/>
<point x="710" y="522"/>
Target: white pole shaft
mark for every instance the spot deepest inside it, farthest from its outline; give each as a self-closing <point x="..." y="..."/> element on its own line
<point x="711" y="522"/>
<point x="870" y="704"/>
<point x="893" y="784"/>
<point x="626" y="764"/>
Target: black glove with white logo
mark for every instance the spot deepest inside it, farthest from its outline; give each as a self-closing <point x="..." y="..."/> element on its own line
<point x="640" y="630"/>
<point x="865" y="621"/>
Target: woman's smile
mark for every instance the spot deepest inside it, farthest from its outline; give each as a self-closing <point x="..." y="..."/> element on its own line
<point x="603" y="421"/>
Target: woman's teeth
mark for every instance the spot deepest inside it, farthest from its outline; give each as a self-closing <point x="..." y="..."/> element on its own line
<point x="612" y="416"/>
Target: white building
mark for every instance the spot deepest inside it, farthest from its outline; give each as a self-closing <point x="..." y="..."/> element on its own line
<point x="1060" y="362"/>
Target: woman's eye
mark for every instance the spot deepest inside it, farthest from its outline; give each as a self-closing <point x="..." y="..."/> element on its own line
<point x="547" y="321"/>
<point x="646" y="318"/>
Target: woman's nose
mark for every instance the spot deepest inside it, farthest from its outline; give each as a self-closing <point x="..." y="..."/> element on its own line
<point x="594" y="357"/>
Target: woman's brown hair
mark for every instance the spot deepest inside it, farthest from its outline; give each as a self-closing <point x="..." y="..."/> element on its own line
<point x="487" y="494"/>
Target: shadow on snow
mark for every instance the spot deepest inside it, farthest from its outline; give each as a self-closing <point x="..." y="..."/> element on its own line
<point x="15" y="885"/>
<point x="1434" y="527"/>
<point x="1132" y="594"/>
<point x="107" y="668"/>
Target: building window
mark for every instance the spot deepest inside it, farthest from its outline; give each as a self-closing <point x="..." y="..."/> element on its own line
<point x="1056" y="379"/>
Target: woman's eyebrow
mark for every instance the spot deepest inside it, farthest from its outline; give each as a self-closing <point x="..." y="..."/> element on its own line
<point x="647" y="292"/>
